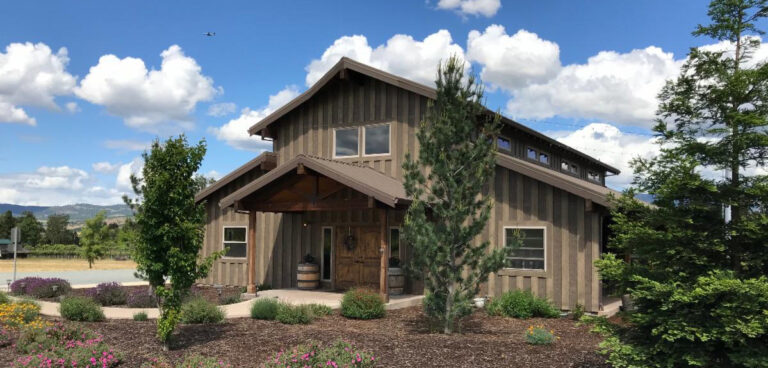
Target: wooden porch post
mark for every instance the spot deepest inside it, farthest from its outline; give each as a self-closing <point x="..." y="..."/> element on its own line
<point x="251" y="288"/>
<point x="384" y="274"/>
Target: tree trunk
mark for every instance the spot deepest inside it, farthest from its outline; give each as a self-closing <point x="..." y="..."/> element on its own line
<point x="448" y="323"/>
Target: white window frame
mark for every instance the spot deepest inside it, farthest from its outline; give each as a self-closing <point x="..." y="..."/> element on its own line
<point x="322" y="254"/>
<point x="358" y="142"/>
<point x="544" y="246"/>
<point x="597" y="173"/>
<point x="570" y="165"/>
<point x="361" y="136"/>
<point x="389" y="242"/>
<point x="224" y="242"/>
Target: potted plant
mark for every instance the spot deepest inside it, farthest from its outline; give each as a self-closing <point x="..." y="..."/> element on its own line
<point x="308" y="274"/>
<point x="396" y="279"/>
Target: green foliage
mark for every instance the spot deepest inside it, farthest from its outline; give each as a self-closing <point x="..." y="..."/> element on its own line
<point x="63" y="345"/>
<point x="362" y="304"/>
<point x="4" y="299"/>
<point x="75" y="308"/>
<point x="140" y="316"/>
<point x="320" y="310"/>
<point x="230" y="299"/>
<point x="170" y="225"/>
<point x="336" y="354"/>
<point x="697" y="279"/>
<point x="7" y="222"/>
<point x="94" y="238"/>
<point x="458" y="152"/>
<point x="294" y="314"/>
<point x="189" y="361"/>
<point x="199" y="310"/>
<point x="577" y="312"/>
<point x="264" y="308"/>
<point x="538" y="335"/>
<point x="521" y="304"/>
<point x="56" y="231"/>
<point x="31" y="230"/>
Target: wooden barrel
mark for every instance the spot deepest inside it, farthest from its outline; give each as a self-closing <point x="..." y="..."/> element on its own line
<point x="308" y="276"/>
<point x="396" y="281"/>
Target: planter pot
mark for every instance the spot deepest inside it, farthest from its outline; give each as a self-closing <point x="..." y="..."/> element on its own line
<point x="479" y="302"/>
<point x="308" y="276"/>
<point x="396" y="281"/>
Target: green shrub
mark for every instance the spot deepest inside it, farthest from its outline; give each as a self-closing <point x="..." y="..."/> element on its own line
<point x="538" y="335"/>
<point x="264" y="308"/>
<point x="320" y="310"/>
<point x="230" y="299"/>
<point x="4" y="299"/>
<point x="577" y="312"/>
<point x="140" y="316"/>
<point x="76" y="308"/>
<point x="294" y="314"/>
<point x="199" y="310"/>
<point x="337" y="354"/>
<point x="521" y="304"/>
<point x="362" y="304"/>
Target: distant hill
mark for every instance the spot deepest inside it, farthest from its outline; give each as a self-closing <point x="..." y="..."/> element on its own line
<point x="78" y="213"/>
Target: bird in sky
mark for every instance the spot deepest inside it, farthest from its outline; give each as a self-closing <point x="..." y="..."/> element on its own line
<point x="209" y="34"/>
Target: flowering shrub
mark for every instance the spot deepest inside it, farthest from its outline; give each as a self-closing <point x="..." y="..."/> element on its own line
<point x="538" y="335"/>
<point x="108" y="293"/>
<point x="191" y="361"/>
<point x="21" y="314"/>
<point x="63" y="346"/>
<point x="142" y="299"/>
<point x="337" y="354"/>
<point x="362" y="304"/>
<point x="5" y="337"/>
<point x="39" y="287"/>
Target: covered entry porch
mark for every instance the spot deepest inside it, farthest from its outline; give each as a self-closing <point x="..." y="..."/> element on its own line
<point x="347" y="210"/>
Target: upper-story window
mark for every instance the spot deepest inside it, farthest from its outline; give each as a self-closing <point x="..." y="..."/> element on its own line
<point x="538" y="156"/>
<point x="376" y="140"/>
<point x="503" y="144"/>
<point x="593" y="175"/>
<point x="569" y="167"/>
<point x="347" y="142"/>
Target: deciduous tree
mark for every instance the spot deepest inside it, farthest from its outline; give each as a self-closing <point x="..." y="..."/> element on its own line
<point x="94" y="239"/>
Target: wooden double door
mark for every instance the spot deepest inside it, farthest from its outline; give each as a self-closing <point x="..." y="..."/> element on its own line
<point x="357" y="255"/>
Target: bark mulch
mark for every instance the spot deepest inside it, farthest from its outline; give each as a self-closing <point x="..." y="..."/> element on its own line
<point x="401" y="339"/>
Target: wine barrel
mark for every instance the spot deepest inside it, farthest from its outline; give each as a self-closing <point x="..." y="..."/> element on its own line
<point x="308" y="276"/>
<point x="396" y="281"/>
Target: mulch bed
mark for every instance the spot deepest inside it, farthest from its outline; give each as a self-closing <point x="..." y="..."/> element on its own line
<point x="402" y="339"/>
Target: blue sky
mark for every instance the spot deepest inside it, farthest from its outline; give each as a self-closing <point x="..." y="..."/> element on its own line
<point x="88" y="132"/>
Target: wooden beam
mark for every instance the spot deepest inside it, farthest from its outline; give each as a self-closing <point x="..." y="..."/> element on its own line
<point x="300" y="170"/>
<point x="251" y="288"/>
<point x="327" y="205"/>
<point x="588" y="206"/>
<point x="371" y="202"/>
<point x="384" y="273"/>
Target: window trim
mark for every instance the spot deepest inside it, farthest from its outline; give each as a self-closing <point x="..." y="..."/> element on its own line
<point x="538" y="156"/>
<point x="389" y="140"/>
<point x="570" y="165"/>
<point x="502" y="149"/>
<point x="597" y="173"/>
<point x="389" y="242"/>
<point x="224" y="242"/>
<point x="334" y="142"/>
<point x="322" y="255"/>
<point x="544" y="247"/>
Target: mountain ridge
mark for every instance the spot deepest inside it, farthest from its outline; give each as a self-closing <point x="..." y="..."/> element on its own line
<point x="78" y="212"/>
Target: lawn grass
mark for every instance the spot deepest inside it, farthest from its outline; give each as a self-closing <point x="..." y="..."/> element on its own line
<point x="60" y="264"/>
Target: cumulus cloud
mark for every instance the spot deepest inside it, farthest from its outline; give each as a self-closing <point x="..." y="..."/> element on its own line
<point x="72" y="107"/>
<point x="513" y="61"/>
<point x="150" y="100"/>
<point x="32" y="75"/>
<point x="401" y="55"/>
<point x="612" y="146"/>
<point x="124" y="172"/>
<point x="54" y="185"/>
<point x="222" y="109"/>
<point x="235" y="132"/>
<point x="611" y="86"/>
<point x="486" y="8"/>
<point x="105" y="167"/>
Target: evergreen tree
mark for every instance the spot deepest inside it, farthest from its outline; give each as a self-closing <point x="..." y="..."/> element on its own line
<point x="32" y="231"/>
<point x="698" y="278"/>
<point x="455" y="161"/>
<point x="94" y="238"/>
<point x="56" y="231"/>
<point x="170" y="226"/>
<point x="7" y="222"/>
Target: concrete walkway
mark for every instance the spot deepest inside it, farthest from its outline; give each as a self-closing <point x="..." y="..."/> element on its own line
<point x="243" y="309"/>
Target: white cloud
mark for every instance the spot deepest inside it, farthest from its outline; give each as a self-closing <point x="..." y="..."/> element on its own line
<point x="235" y="132"/>
<point x="150" y="100"/>
<point x="612" y="146"/>
<point x="72" y="107"/>
<point x="105" y="167"/>
<point x="126" y="145"/>
<point x="54" y="185"/>
<point x="511" y="62"/>
<point x="31" y="75"/>
<point x="487" y="8"/>
<point x="611" y="86"/>
<point x="123" y="180"/>
<point x="401" y="55"/>
<point x="222" y="109"/>
<point x="213" y="174"/>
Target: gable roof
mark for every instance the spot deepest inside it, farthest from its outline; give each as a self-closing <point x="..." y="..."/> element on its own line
<point x="346" y="63"/>
<point x="266" y="160"/>
<point x="363" y="179"/>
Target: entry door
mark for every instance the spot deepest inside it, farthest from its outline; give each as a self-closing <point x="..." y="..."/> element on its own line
<point x="359" y="266"/>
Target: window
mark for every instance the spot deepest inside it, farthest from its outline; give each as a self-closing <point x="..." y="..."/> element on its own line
<point x="503" y="144"/>
<point x="535" y="155"/>
<point x="327" y="249"/>
<point x="593" y="175"/>
<point x="569" y="167"/>
<point x="234" y="241"/>
<point x="376" y="139"/>
<point x="532" y="154"/>
<point x="346" y="142"/>
<point x="530" y="254"/>
<point x="544" y="158"/>
<point x="394" y="242"/>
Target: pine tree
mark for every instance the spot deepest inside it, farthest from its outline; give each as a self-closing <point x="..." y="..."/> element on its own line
<point x="7" y="222"/>
<point x="456" y="160"/>
<point x="698" y="278"/>
<point x="32" y="230"/>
